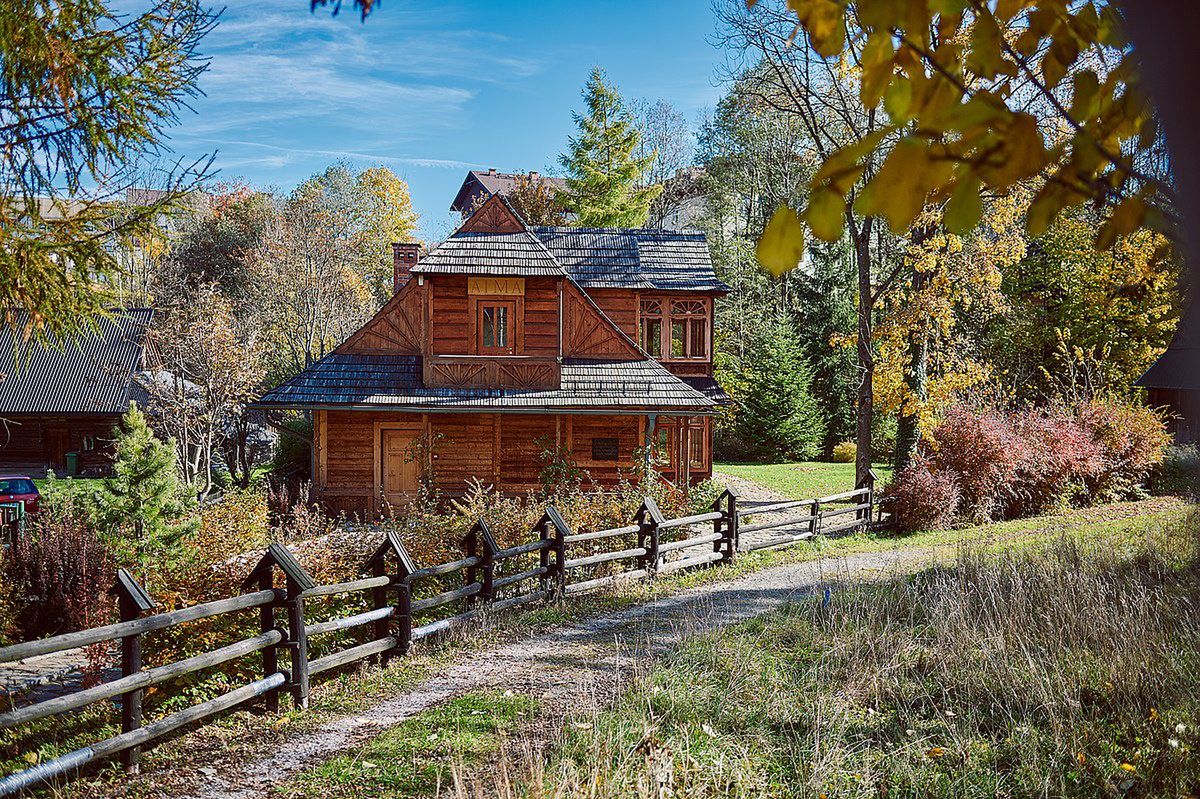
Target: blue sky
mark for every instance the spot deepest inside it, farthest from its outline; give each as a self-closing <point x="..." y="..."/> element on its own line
<point x="431" y="89"/>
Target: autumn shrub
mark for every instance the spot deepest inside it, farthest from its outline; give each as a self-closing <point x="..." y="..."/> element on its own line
<point x="58" y="574"/>
<point x="1057" y="457"/>
<point x="844" y="452"/>
<point x="1133" y="439"/>
<point x="1008" y="464"/>
<point x="983" y="452"/>
<point x="922" y="499"/>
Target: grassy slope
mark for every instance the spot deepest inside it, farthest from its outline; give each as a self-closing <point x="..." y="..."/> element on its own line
<point x="800" y="480"/>
<point x="1062" y="669"/>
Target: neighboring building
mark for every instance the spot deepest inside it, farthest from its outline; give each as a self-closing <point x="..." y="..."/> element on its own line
<point x="682" y="203"/>
<point x="507" y="341"/>
<point x="478" y="186"/>
<point x="1173" y="381"/>
<point x="65" y="397"/>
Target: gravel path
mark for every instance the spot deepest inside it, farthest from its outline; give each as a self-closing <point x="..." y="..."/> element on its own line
<point x="751" y="495"/>
<point x="568" y="669"/>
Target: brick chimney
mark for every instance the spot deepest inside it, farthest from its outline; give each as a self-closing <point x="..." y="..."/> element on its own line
<point x="404" y="257"/>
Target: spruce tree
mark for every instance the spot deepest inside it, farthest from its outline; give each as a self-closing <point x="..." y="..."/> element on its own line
<point x="604" y="176"/>
<point x="779" y="418"/>
<point x="144" y="504"/>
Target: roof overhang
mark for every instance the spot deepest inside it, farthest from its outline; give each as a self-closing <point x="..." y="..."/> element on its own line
<point x="548" y="410"/>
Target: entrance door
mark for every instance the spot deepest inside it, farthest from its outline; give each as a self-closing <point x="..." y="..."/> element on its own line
<point x="401" y="468"/>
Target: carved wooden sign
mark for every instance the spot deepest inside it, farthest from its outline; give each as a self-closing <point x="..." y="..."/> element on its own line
<point x="502" y="286"/>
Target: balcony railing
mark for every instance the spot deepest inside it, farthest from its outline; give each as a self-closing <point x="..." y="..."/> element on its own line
<point x="530" y="373"/>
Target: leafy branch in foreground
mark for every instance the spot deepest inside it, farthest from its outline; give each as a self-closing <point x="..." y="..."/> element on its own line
<point x="86" y="96"/>
<point x="983" y="97"/>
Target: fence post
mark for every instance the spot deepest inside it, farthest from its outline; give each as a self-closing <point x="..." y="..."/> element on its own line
<point x="552" y="528"/>
<point x="132" y="601"/>
<point x="648" y="518"/>
<point x="814" y="518"/>
<point x="874" y="479"/>
<point x="297" y="581"/>
<point x="726" y="526"/>
<point x="479" y="543"/>
<point x="393" y="548"/>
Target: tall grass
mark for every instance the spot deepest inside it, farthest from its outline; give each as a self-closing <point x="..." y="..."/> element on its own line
<point x="1057" y="672"/>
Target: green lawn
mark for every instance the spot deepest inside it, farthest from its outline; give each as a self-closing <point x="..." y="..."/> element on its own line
<point x="800" y="480"/>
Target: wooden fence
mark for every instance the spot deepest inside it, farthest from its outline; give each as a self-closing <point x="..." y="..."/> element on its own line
<point x="406" y="604"/>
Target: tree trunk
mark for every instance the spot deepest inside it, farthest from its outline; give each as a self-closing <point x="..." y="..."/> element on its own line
<point x="861" y="235"/>
<point x="908" y="429"/>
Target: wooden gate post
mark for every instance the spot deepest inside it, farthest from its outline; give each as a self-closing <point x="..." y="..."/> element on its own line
<point x="726" y="526"/>
<point x="392" y="550"/>
<point x="648" y="518"/>
<point x="132" y="602"/>
<point x="296" y="581"/>
<point x="552" y="528"/>
<point x="479" y="543"/>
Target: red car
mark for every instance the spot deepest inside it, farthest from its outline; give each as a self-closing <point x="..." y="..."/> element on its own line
<point x="19" y="488"/>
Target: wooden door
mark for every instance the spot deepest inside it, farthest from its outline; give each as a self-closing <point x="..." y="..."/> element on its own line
<point x="400" y="469"/>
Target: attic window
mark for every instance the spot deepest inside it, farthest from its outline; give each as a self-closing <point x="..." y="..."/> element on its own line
<point x="689" y="329"/>
<point x="605" y="449"/>
<point x="651" y="327"/>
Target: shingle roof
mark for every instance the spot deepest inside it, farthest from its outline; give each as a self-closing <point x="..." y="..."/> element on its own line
<point x="709" y="388"/>
<point x="469" y="253"/>
<point x="638" y="258"/>
<point x="394" y="382"/>
<point x="1179" y="367"/>
<point x="90" y="374"/>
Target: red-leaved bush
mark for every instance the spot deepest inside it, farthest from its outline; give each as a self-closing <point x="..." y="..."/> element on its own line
<point x="59" y="573"/>
<point x="922" y="499"/>
<point x="1006" y="464"/>
<point x="980" y="449"/>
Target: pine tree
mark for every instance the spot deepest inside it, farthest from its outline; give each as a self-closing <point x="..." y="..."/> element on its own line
<point x="604" y="175"/>
<point x="779" y="419"/>
<point x="144" y="503"/>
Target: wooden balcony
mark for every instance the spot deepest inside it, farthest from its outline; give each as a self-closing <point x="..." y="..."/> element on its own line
<point x="519" y="372"/>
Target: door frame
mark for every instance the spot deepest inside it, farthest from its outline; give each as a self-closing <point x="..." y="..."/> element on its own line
<point x="417" y="428"/>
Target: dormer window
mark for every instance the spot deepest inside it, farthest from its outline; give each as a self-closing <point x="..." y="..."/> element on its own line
<point x="495" y="326"/>
<point x="652" y="327"/>
<point x="689" y="329"/>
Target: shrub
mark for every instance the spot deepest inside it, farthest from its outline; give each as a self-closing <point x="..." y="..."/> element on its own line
<point x="982" y="451"/>
<point x="1133" y="440"/>
<point x="845" y="452"/>
<point x="1018" y="463"/>
<point x="59" y="574"/>
<point x="1179" y="472"/>
<point x="922" y="499"/>
<point x="1057" y="457"/>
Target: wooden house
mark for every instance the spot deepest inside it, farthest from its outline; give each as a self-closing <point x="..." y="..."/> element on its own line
<point x="508" y="341"/>
<point x="478" y="185"/>
<point x="1173" y="381"/>
<point x="60" y="401"/>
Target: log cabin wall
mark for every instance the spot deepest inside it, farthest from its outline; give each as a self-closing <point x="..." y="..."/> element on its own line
<point x="502" y="449"/>
<point x="34" y="444"/>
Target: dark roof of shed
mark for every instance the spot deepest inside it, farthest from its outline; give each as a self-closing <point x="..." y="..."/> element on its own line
<point x="91" y="374"/>
<point x="1179" y="367"/>
<point x="394" y="381"/>
<point x="471" y="253"/>
<point x="637" y="258"/>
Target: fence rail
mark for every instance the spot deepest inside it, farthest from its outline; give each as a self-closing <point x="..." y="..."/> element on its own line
<point x="564" y="563"/>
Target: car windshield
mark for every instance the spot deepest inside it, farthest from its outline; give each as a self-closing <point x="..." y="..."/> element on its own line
<point x="16" y="485"/>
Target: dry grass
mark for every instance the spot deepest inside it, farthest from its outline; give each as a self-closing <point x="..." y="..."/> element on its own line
<point x="1056" y="671"/>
